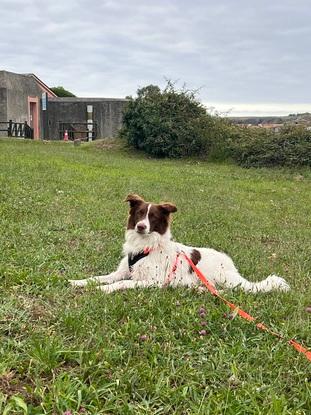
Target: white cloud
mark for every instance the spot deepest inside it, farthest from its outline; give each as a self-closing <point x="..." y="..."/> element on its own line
<point x="255" y="55"/>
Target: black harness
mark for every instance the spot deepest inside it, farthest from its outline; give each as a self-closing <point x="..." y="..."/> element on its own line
<point x="132" y="259"/>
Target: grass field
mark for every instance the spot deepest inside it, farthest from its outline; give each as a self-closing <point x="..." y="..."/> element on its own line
<point x="62" y="217"/>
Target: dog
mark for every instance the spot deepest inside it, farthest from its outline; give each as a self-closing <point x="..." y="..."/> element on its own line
<point x="151" y="257"/>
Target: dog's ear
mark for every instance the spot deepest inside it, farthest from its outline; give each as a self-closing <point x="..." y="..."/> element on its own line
<point x="168" y="207"/>
<point x="134" y="199"/>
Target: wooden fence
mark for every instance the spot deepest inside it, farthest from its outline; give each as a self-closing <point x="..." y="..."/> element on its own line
<point x="78" y="130"/>
<point x="16" y="129"/>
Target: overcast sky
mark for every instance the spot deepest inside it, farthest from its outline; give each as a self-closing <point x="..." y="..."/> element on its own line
<point x="247" y="56"/>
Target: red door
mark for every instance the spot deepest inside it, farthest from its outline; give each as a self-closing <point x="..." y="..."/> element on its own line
<point x="33" y="116"/>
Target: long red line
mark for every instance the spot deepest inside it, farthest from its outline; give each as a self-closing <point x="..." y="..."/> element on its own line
<point x="212" y="289"/>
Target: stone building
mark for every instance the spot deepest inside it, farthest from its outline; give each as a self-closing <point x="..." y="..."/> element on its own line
<point x="81" y="116"/>
<point x="24" y="97"/>
<point x="20" y="100"/>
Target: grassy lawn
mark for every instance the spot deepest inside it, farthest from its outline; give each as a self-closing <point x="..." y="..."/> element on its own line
<point x="62" y="217"/>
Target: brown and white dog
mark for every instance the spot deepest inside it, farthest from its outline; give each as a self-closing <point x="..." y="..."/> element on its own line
<point x="150" y="255"/>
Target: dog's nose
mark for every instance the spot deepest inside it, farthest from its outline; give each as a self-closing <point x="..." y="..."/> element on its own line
<point x="141" y="227"/>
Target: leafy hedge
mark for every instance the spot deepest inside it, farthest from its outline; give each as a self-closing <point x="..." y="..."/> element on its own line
<point x="291" y="146"/>
<point x="173" y="123"/>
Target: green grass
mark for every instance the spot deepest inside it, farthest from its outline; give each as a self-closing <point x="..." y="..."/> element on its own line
<point x="62" y="216"/>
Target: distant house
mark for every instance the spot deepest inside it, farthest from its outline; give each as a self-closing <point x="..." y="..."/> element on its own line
<point x="25" y="98"/>
<point x="276" y="127"/>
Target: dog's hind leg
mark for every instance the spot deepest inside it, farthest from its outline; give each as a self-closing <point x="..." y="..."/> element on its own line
<point x="120" y="274"/>
<point x="221" y="270"/>
<point x="272" y="282"/>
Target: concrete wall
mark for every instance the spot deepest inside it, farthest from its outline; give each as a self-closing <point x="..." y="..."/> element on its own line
<point x="107" y="113"/>
<point x="19" y="87"/>
<point x="3" y="109"/>
<point x="3" y="101"/>
<point x="3" y="104"/>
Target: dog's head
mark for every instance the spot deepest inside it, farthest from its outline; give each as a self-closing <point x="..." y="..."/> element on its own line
<point x="145" y="217"/>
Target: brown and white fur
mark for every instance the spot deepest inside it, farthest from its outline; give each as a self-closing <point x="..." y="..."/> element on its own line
<point x="148" y="227"/>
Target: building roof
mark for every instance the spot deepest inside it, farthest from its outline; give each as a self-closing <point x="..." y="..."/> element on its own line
<point x="42" y="85"/>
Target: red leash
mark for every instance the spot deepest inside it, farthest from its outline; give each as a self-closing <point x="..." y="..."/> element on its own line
<point x="212" y="289"/>
<point x="172" y="273"/>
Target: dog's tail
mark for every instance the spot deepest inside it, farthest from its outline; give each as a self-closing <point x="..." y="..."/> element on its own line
<point x="271" y="283"/>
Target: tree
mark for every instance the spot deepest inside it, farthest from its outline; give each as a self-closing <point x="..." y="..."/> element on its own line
<point x="60" y="91"/>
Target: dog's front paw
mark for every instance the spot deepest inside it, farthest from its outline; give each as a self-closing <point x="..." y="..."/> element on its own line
<point x="77" y="283"/>
<point x="105" y="289"/>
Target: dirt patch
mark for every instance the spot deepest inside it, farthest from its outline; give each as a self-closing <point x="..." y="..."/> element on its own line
<point x="36" y="309"/>
<point x="267" y="240"/>
<point x="109" y="144"/>
<point x="11" y="384"/>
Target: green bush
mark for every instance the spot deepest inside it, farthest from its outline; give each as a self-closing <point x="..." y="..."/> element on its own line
<point x="60" y="91"/>
<point x="170" y="123"/>
<point x="291" y="146"/>
<point x="173" y="123"/>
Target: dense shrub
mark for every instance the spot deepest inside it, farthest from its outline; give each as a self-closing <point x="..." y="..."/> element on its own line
<point x="291" y="146"/>
<point x="170" y="123"/>
<point x="60" y="91"/>
<point x="173" y="123"/>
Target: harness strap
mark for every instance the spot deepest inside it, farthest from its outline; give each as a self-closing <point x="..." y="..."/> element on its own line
<point x="132" y="259"/>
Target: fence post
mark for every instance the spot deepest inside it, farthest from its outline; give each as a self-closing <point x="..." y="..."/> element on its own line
<point x="10" y="129"/>
<point x="90" y="122"/>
